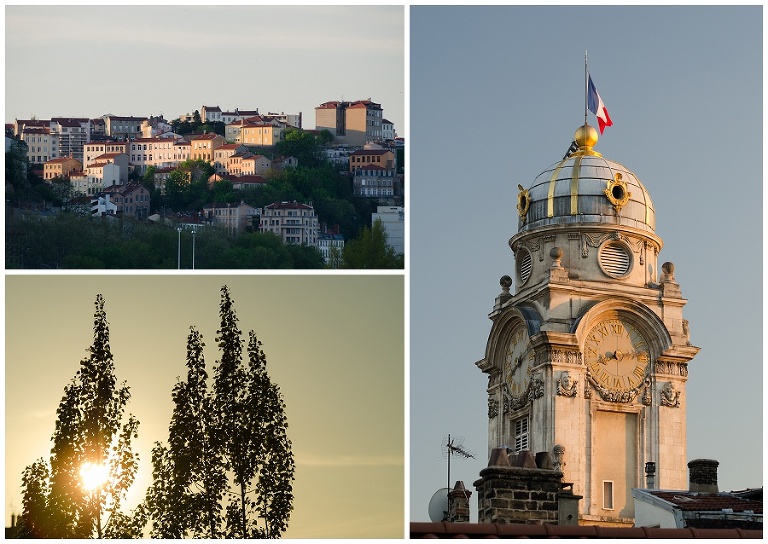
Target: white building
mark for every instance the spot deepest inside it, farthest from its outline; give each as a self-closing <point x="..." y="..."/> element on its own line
<point x="294" y="222"/>
<point x="393" y="220"/>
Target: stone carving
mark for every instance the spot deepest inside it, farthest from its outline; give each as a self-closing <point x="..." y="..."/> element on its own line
<point x="493" y="407"/>
<point x="566" y="385"/>
<point x="558" y="456"/>
<point x="595" y="241"/>
<point x="671" y="368"/>
<point x="670" y="396"/>
<point x="647" y="399"/>
<point x="534" y="391"/>
<point x="612" y="395"/>
<point x="569" y="357"/>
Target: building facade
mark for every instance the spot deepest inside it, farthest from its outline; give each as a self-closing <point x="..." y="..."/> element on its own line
<point x="351" y="123"/>
<point x="61" y="167"/>
<point x="393" y="220"/>
<point x="232" y="217"/>
<point x="294" y="222"/>
<point x="588" y="355"/>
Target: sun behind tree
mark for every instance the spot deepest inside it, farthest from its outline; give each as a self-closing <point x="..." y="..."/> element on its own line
<point x="92" y="464"/>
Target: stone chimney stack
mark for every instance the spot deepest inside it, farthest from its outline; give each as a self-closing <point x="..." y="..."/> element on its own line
<point x="458" y="508"/>
<point x="703" y="475"/>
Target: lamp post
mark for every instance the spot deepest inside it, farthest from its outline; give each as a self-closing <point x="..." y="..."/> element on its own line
<point x="194" y="229"/>
<point x="178" y="259"/>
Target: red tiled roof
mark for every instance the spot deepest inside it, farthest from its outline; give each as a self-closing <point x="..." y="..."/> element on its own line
<point x="247" y="179"/>
<point x="208" y="136"/>
<point x="369" y="152"/>
<point x="109" y="156"/>
<point x="446" y="529"/>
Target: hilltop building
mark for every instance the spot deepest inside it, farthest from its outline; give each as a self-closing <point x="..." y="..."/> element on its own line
<point x="352" y="123"/>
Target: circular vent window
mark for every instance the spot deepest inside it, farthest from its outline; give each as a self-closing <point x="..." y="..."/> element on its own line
<point x="524" y="265"/>
<point x="615" y="259"/>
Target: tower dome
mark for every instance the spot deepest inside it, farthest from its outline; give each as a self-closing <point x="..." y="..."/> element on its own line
<point x="586" y="188"/>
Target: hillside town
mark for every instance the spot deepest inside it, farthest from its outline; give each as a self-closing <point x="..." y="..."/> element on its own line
<point x="138" y="168"/>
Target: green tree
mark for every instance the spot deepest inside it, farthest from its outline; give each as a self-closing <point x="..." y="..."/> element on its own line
<point x="371" y="251"/>
<point x="300" y="144"/>
<point x="92" y="464"/>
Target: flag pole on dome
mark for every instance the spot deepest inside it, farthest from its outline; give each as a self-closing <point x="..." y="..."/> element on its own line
<point x="585" y="87"/>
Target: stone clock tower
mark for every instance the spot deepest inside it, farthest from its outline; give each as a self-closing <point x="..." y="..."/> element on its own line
<point x="588" y="357"/>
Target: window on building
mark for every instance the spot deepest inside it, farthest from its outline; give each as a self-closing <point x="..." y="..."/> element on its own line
<point x="607" y="495"/>
<point x="521" y="433"/>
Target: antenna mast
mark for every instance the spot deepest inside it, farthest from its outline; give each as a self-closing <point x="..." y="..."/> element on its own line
<point x="451" y="447"/>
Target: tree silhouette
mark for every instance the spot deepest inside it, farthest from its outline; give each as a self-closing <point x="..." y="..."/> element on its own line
<point x="229" y="442"/>
<point x="89" y="432"/>
<point x="252" y="419"/>
<point x="189" y="479"/>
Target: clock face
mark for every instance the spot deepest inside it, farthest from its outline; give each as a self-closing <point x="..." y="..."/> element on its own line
<point x="616" y="355"/>
<point x="518" y="361"/>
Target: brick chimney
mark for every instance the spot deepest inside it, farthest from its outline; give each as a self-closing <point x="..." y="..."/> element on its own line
<point x="703" y="475"/>
<point x="458" y="508"/>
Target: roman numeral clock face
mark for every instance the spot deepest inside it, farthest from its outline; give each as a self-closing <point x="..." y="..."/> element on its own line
<point x="518" y="361"/>
<point x="616" y="355"/>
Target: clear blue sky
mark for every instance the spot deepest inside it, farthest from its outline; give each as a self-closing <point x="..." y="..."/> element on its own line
<point x="86" y="61"/>
<point x="496" y="95"/>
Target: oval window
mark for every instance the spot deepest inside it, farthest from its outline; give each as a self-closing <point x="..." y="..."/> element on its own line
<point x="615" y="259"/>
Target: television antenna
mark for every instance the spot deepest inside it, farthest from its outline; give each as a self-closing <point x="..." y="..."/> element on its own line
<point x="450" y="448"/>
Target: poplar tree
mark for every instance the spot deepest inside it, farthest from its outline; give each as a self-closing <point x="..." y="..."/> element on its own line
<point x="89" y="432"/>
<point x="253" y="424"/>
<point x="188" y="475"/>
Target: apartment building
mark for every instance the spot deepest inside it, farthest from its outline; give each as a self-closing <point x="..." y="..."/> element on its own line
<point x="232" y="217"/>
<point x="327" y="241"/>
<point x="255" y="165"/>
<point x="222" y="155"/>
<point x="94" y="149"/>
<point x="131" y="200"/>
<point x="73" y="135"/>
<point x="182" y="150"/>
<point x="294" y="222"/>
<point x="388" y="130"/>
<point x="261" y="133"/>
<point x="393" y="220"/>
<point x="203" y="146"/>
<point x="157" y="152"/>
<point x="123" y="128"/>
<point x="363" y="158"/>
<point x="210" y="114"/>
<point x="374" y="182"/>
<point x="42" y="143"/>
<point x="351" y="123"/>
<point x="60" y="167"/>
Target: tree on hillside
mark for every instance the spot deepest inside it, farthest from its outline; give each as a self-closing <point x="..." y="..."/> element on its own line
<point x="371" y="250"/>
<point x="92" y="464"/>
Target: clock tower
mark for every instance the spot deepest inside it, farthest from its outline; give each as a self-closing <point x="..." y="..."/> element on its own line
<point x="588" y="355"/>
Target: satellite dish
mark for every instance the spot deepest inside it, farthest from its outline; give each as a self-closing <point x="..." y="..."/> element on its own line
<point x="438" y="505"/>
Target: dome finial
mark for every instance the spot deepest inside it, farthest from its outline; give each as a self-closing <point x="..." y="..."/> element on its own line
<point x="586" y="138"/>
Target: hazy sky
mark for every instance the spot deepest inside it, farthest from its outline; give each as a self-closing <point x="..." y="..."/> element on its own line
<point x="496" y="95"/>
<point x="334" y="345"/>
<point x="86" y="61"/>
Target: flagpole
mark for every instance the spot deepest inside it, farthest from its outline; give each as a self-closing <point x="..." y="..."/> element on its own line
<point x="586" y="85"/>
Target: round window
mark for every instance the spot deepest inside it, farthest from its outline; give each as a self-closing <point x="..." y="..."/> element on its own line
<point x="615" y="259"/>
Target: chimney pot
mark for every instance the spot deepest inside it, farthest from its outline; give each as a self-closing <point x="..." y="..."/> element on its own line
<point x="703" y="475"/>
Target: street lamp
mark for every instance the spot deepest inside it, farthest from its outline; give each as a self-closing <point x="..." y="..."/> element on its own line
<point x="194" y="229"/>
<point x="178" y="259"/>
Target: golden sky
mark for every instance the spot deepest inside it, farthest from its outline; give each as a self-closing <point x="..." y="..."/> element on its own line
<point x="334" y="345"/>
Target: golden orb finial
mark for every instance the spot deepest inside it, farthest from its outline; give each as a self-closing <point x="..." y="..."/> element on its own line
<point x="585" y="137"/>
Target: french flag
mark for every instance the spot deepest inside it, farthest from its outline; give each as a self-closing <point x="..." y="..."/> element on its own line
<point x="597" y="107"/>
